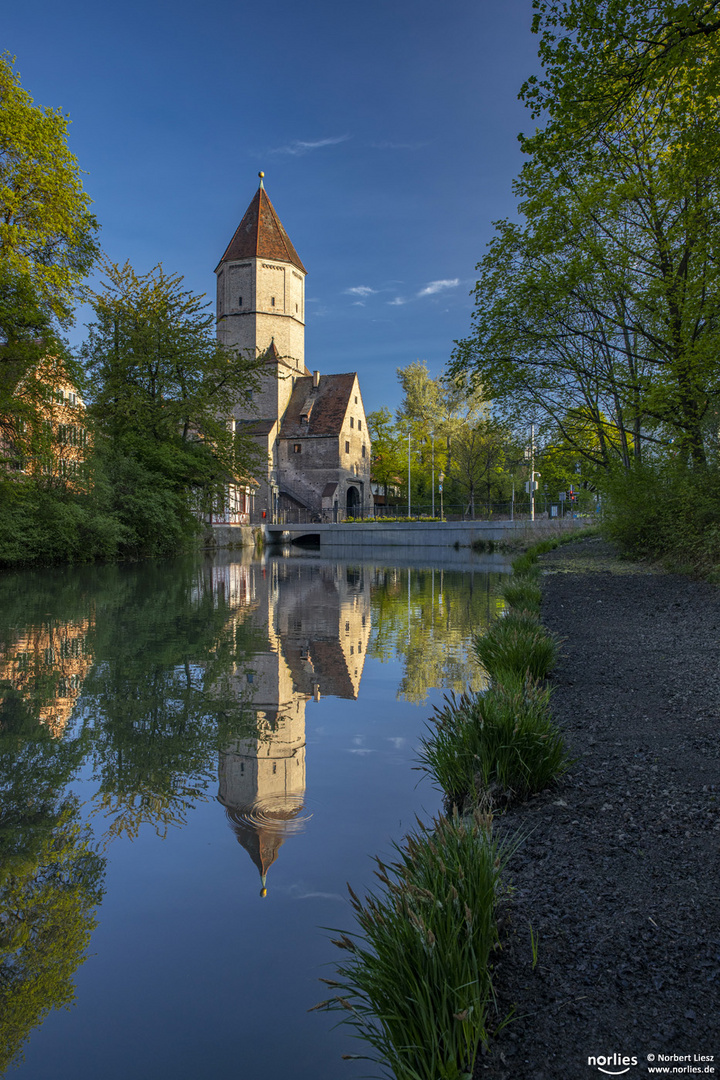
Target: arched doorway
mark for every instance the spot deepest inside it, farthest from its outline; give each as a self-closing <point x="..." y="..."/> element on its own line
<point x="353" y="502"/>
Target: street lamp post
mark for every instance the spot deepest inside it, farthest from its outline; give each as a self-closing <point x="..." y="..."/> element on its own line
<point x="441" y="478"/>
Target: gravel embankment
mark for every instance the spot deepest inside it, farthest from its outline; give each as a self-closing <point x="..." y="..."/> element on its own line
<point x="619" y="871"/>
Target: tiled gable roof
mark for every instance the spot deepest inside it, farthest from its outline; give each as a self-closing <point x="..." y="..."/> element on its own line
<point x="325" y="407"/>
<point x="260" y="235"/>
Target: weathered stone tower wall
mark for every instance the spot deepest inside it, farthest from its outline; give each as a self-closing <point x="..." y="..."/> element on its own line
<point x="260" y="302"/>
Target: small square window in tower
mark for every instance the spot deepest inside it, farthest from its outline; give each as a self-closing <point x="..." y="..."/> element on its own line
<point x="239" y="301"/>
<point x="297" y="448"/>
<point x="347" y="447"/>
<point x="272" y="301"/>
<point x="352" y="422"/>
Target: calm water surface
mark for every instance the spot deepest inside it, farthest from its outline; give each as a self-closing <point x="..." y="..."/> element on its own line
<point x="194" y="759"/>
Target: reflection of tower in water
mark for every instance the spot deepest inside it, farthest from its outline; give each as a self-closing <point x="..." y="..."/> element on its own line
<point x="317" y="619"/>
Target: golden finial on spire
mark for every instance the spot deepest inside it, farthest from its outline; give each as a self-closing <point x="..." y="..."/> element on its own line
<point x="261" y="175"/>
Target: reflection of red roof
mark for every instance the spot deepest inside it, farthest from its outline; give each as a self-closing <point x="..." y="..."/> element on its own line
<point x="260" y="235"/>
<point x="325" y="406"/>
<point x="322" y="663"/>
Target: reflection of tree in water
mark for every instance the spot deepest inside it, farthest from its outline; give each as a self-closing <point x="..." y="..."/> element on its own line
<point x="423" y="618"/>
<point x="50" y="877"/>
<point x="164" y="698"/>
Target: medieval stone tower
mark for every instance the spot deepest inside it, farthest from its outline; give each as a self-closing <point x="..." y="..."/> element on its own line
<point x="261" y="301"/>
<point x="310" y="429"/>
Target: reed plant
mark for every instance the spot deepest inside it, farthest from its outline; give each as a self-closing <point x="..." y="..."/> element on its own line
<point x="522" y="593"/>
<point x="517" y="646"/>
<point x="416" y="983"/>
<point x="502" y="742"/>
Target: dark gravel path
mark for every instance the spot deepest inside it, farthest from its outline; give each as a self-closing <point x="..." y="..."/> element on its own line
<point x="619" y="874"/>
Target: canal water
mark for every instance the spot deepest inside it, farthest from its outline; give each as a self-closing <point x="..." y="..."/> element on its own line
<point x="195" y="757"/>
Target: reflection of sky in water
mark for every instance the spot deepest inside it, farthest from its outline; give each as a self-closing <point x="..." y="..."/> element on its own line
<point x="288" y="691"/>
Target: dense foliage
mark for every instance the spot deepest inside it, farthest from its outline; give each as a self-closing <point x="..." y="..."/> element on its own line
<point x="135" y="472"/>
<point x="598" y="313"/>
<point x="446" y="436"/>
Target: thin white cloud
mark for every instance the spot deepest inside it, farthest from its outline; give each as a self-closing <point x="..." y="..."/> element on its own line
<point x="397" y="301"/>
<point x="301" y="146"/>
<point x="360" y="290"/>
<point x="438" y="286"/>
<point x="358" y="303"/>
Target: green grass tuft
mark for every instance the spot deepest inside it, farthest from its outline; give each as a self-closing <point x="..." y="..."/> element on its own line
<point x="416" y="982"/>
<point x="522" y="593"/>
<point x="517" y="646"/>
<point x="502" y="743"/>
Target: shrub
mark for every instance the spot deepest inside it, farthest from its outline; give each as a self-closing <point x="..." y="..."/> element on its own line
<point x="416" y="985"/>
<point x="666" y="512"/>
<point x="502" y="743"/>
<point x="517" y="646"/>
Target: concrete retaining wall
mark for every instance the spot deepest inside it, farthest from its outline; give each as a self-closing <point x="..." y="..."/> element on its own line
<point x="432" y="534"/>
<point x="232" y="536"/>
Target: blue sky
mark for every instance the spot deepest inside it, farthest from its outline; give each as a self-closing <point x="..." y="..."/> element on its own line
<point x="387" y="132"/>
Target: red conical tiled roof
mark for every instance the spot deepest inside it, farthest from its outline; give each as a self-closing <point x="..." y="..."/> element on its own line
<point x="260" y="235"/>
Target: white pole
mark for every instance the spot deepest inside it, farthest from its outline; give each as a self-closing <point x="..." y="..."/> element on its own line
<point x="532" y="472"/>
<point x="409" y="514"/>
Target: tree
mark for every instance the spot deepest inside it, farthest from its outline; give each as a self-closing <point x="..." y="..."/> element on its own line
<point x="607" y="301"/>
<point x="389" y="455"/>
<point x="29" y="356"/>
<point x="163" y="390"/>
<point x="606" y="59"/>
<point x="435" y="412"/>
<point x="47" y="232"/>
<point x="479" y="456"/>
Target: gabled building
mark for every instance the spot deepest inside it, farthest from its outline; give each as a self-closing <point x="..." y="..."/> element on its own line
<point x="311" y="427"/>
